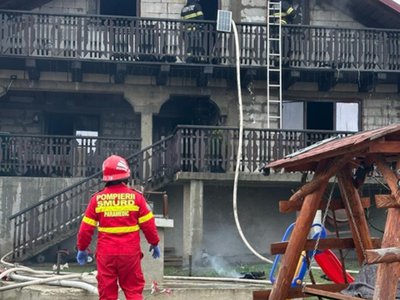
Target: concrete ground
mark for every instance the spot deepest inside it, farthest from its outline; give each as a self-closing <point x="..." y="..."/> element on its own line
<point x="171" y="289"/>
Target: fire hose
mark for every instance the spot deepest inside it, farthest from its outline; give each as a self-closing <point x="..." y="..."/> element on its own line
<point x="41" y="277"/>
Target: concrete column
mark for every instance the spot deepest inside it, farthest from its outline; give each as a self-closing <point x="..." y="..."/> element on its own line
<point x="192" y="221"/>
<point x="146" y="128"/>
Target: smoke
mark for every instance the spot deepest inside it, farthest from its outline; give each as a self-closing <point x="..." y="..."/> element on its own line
<point x="222" y="268"/>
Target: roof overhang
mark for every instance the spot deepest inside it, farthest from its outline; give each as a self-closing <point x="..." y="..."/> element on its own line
<point x="383" y="141"/>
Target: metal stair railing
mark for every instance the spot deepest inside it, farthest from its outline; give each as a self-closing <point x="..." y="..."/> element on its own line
<point x="58" y="216"/>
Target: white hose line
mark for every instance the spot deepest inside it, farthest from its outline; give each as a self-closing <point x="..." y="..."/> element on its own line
<point x="3" y="260"/>
<point x="218" y="279"/>
<point x="239" y="150"/>
<point x="56" y="281"/>
<point x="23" y="269"/>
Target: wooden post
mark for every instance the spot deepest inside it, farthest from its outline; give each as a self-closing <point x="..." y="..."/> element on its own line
<point x="298" y="237"/>
<point x="388" y="273"/>
<point x="355" y="213"/>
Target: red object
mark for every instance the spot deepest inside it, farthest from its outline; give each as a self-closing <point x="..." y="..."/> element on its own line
<point x="115" y="168"/>
<point x="118" y="212"/>
<point x="128" y="271"/>
<point x="332" y="266"/>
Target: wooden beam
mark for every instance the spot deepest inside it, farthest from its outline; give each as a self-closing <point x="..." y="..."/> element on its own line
<point x="296" y="292"/>
<point x="391" y="147"/>
<point x="384" y="255"/>
<point x="389" y="176"/>
<point x="326" y="243"/>
<point x="355" y="213"/>
<point x="286" y="206"/>
<point x="331" y="169"/>
<point x="329" y="295"/>
<point x="299" y="235"/>
<point x="387" y="275"/>
<point x="386" y="201"/>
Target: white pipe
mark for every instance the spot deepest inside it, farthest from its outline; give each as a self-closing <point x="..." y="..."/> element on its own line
<point x="68" y="283"/>
<point x="54" y="279"/>
<point x="218" y="279"/>
<point x="239" y="150"/>
<point x="3" y="261"/>
<point x="23" y="269"/>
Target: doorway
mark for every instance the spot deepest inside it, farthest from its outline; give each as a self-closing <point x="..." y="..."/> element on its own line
<point x="118" y="7"/>
<point x="184" y="110"/>
<point x="210" y="9"/>
<point x="70" y="124"/>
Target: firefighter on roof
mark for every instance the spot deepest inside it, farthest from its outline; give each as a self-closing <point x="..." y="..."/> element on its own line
<point x="118" y="212"/>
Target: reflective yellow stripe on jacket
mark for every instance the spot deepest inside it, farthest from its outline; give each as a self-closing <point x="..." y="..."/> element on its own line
<point x="123" y="229"/>
<point x="89" y="221"/>
<point x="100" y="209"/>
<point x="193" y="15"/>
<point x="146" y="218"/>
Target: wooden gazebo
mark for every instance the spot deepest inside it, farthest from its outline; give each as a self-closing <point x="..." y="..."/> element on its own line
<point x="341" y="157"/>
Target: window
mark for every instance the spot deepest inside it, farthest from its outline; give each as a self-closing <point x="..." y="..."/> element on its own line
<point x="320" y="115"/>
<point x="347" y="116"/>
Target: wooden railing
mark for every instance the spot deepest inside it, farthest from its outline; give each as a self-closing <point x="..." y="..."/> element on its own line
<point x="341" y="48"/>
<point x="58" y="216"/>
<point x="191" y="149"/>
<point x="214" y="149"/>
<point x="122" y="38"/>
<point x="65" y="156"/>
<point x="94" y="37"/>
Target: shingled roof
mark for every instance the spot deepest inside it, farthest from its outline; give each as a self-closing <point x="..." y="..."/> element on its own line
<point x="385" y="140"/>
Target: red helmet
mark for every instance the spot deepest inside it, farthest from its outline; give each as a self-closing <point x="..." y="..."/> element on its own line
<point x="115" y="168"/>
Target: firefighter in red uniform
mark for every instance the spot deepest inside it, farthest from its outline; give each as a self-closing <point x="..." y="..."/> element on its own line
<point x="118" y="212"/>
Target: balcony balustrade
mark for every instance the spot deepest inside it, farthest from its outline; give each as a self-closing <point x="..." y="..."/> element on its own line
<point x="134" y="40"/>
<point x="58" y="156"/>
<point x="189" y="149"/>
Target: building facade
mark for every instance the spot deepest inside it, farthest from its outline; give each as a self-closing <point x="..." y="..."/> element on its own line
<point x="87" y="72"/>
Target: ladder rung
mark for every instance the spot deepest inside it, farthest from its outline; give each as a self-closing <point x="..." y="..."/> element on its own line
<point x="274" y="88"/>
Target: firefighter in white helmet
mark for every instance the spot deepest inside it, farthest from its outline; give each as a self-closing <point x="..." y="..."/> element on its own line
<point x="118" y="212"/>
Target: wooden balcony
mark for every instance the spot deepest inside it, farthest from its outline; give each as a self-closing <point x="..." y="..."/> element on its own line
<point x="189" y="149"/>
<point x="135" y="41"/>
<point x="58" y="156"/>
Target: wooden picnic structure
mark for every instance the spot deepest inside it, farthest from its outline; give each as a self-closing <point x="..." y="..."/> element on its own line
<point x="342" y="157"/>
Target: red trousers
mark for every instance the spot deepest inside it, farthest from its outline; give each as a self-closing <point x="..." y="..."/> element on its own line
<point x="124" y="270"/>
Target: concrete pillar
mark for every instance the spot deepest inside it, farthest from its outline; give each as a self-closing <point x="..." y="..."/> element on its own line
<point x="146" y="131"/>
<point x="192" y="221"/>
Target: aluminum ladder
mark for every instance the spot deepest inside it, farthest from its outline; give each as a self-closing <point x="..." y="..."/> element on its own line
<point x="274" y="65"/>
